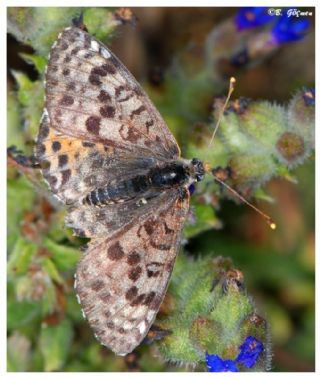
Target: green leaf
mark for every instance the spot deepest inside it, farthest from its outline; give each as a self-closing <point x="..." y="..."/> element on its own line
<point x="100" y="22"/>
<point x="30" y="95"/>
<point x="25" y="85"/>
<point x="20" y="314"/>
<point x="39" y="26"/>
<point x="14" y="132"/>
<point x="21" y="257"/>
<point x="64" y="257"/>
<point x="19" y="199"/>
<point x="54" y="344"/>
<point x="50" y="268"/>
<point x="49" y="301"/>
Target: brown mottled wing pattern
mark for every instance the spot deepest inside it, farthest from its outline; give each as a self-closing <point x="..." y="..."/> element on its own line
<point x="74" y="167"/>
<point x="121" y="281"/>
<point x="90" y="95"/>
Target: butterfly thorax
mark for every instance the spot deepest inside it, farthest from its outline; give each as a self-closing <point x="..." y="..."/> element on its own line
<point x="153" y="182"/>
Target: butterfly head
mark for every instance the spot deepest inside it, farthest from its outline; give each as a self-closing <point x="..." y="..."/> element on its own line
<point x="197" y="170"/>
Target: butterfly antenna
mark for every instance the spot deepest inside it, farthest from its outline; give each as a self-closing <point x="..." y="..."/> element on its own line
<point x="231" y="89"/>
<point x="268" y="219"/>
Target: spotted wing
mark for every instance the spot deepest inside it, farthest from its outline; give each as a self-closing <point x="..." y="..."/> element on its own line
<point x="73" y="167"/>
<point x="91" y="96"/>
<point x="121" y="281"/>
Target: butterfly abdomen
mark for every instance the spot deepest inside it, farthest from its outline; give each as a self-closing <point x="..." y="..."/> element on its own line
<point x="112" y="193"/>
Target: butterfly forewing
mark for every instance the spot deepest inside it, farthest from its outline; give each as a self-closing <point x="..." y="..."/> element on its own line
<point x="92" y="96"/>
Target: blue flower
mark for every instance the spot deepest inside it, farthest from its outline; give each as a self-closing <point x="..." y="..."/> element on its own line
<point x="289" y="29"/>
<point x="216" y="364"/>
<point x="250" y="17"/>
<point x="250" y="351"/>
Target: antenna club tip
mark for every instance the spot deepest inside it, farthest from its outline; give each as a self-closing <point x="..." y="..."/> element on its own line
<point x="233" y="80"/>
<point x="273" y="225"/>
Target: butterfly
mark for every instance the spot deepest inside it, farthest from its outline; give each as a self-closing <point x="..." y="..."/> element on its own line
<point x="108" y="155"/>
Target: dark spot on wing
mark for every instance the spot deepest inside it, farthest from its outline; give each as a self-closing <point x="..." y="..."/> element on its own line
<point x="155" y="303"/>
<point x="56" y="146"/>
<point x="135" y="273"/>
<point x="107" y="111"/>
<point x="104" y="96"/>
<point x="66" y="100"/>
<point x="63" y="160"/>
<point x="97" y="285"/>
<point x="71" y="86"/>
<point x="98" y="71"/>
<point x="133" y="258"/>
<point x="115" y="251"/>
<point x="138" y="300"/>
<point x="118" y="90"/>
<point x="149" y="298"/>
<point x="149" y="226"/>
<point x="131" y="293"/>
<point x="94" y="79"/>
<point x="93" y="124"/>
<point x="138" y="111"/>
<point x="87" y="144"/>
<point x="66" y="174"/>
<point x="109" y="68"/>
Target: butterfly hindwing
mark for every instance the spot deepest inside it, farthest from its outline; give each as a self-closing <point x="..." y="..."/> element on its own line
<point x="121" y="281"/>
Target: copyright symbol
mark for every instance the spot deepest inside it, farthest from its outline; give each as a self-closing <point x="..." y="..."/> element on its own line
<point x="271" y="11"/>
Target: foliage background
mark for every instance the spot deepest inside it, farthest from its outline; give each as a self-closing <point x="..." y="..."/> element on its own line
<point x="45" y="327"/>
